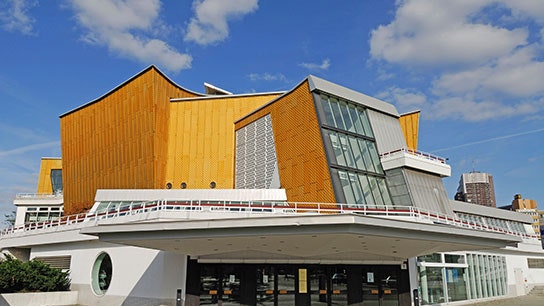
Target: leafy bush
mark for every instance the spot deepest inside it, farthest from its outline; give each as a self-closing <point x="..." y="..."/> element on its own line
<point x="32" y="276"/>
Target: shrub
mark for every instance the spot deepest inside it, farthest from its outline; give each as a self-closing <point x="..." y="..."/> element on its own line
<point x="32" y="276"/>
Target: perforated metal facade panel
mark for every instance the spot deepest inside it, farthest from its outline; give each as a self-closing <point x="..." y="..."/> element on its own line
<point x="256" y="162"/>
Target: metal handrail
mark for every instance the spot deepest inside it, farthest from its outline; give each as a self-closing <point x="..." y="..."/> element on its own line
<point x="420" y="154"/>
<point x="38" y="196"/>
<point x="279" y="208"/>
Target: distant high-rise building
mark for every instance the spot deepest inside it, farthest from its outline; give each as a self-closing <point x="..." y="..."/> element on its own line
<point x="520" y="203"/>
<point x="476" y="188"/>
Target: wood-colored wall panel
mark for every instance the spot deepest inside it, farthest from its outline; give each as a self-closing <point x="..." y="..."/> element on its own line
<point x="44" y="179"/>
<point x="201" y="141"/>
<point x="117" y="141"/>
<point x="410" y="126"/>
<point x="302" y="163"/>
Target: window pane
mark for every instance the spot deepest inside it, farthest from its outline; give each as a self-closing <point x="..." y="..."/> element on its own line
<point x="375" y="158"/>
<point x="356" y="186"/>
<point x="347" y="151"/>
<point x="456" y="284"/>
<point x="369" y="166"/>
<point x="356" y="120"/>
<point x="346" y="186"/>
<point x="384" y="191"/>
<point x="345" y="115"/>
<point x="335" y="143"/>
<point x="329" y="118"/>
<point x="434" y="257"/>
<point x="357" y="155"/>
<point x="451" y="258"/>
<point x="375" y="191"/>
<point x="337" y="114"/>
<point x="432" y="289"/>
<point x="365" y="186"/>
<point x="56" y="180"/>
<point x="366" y="124"/>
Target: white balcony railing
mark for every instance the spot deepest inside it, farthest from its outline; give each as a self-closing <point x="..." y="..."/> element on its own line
<point x="415" y="159"/>
<point x="122" y="213"/>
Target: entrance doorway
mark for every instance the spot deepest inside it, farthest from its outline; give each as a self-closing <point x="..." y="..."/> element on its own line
<point x="299" y="285"/>
<point x="380" y="286"/>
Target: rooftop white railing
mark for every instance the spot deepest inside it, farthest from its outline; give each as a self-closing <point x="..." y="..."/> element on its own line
<point x="24" y="196"/>
<point x="418" y="154"/>
<point x="121" y="211"/>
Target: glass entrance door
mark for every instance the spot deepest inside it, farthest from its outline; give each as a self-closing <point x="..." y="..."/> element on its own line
<point x="380" y="286"/>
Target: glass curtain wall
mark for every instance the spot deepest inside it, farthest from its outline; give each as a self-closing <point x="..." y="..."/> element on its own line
<point x="355" y="161"/>
<point x="456" y="277"/>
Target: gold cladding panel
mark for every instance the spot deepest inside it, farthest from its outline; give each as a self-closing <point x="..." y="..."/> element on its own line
<point x="118" y="141"/>
<point x="302" y="163"/>
<point x="44" y="179"/>
<point x="202" y="142"/>
<point x="410" y="127"/>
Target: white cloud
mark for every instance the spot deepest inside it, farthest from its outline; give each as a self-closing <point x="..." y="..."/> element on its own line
<point x="518" y="74"/>
<point x="210" y="24"/>
<point x="267" y="77"/>
<point x="429" y="32"/>
<point x="470" y="110"/>
<point x="126" y="28"/>
<point x="325" y="64"/>
<point x="14" y="16"/>
<point x="486" y="56"/>
<point x="405" y="99"/>
<point x="30" y="148"/>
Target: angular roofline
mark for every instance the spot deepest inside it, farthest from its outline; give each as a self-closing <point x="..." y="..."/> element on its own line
<point x="318" y="84"/>
<point x="351" y="95"/>
<point x="411" y="112"/>
<point x="493" y="212"/>
<point x="126" y="82"/>
<point x="227" y="96"/>
<point x="209" y="87"/>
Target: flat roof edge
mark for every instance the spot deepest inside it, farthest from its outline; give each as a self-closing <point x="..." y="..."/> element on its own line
<point x="352" y="95"/>
<point x="227" y="96"/>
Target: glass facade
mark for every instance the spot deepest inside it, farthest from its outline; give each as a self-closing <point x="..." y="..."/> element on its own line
<point x="353" y="157"/>
<point x="41" y="214"/>
<point x="289" y="285"/>
<point x="56" y="181"/>
<point x="456" y="277"/>
<point x="506" y="225"/>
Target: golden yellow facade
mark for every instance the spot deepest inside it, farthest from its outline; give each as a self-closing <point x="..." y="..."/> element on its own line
<point x="304" y="172"/>
<point x="201" y="141"/>
<point x="44" y="179"/>
<point x="410" y="126"/>
<point x="119" y="140"/>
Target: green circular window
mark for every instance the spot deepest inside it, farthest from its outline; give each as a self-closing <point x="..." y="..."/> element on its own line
<point x="101" y="274"/>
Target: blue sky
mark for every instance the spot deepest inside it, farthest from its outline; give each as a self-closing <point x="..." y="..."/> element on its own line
<point x="475" y="68"/>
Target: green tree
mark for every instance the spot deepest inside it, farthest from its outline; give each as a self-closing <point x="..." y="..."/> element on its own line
<point x="9" y="219"/>
<point x="32" y="276"/>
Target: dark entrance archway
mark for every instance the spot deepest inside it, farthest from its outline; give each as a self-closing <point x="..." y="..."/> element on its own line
<point x="297" y="284"/>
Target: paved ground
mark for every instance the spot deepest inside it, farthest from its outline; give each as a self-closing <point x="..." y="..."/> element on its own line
<point x="534" y="298"/>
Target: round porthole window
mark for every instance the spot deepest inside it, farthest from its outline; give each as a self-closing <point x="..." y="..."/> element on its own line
<point x="168" y="185"/>
<point x="101" y="274"/>
<point x="212" y="184"/>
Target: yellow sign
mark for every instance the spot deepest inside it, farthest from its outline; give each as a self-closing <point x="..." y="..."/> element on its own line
<point x="302" y="281"/>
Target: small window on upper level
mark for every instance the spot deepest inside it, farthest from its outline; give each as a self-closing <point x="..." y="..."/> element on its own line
<point x="56" y="181"/>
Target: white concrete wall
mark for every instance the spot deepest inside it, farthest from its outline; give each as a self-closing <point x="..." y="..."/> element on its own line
<point x="138" y="273"/>
<point x="41" y="298"/>
<point x="521" y="279"/>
